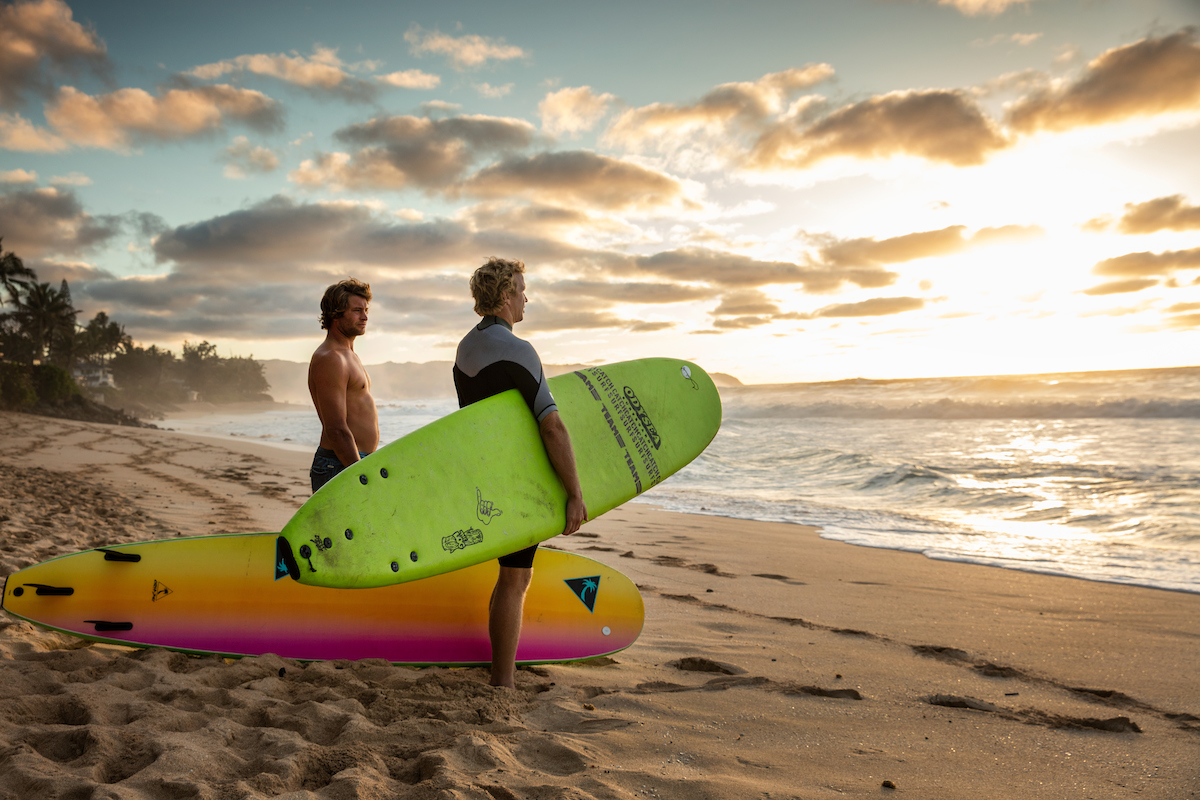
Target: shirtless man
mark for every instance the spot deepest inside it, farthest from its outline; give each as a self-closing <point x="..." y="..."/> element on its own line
<point x="491" y="360"/>
<point x="339" y="384"/>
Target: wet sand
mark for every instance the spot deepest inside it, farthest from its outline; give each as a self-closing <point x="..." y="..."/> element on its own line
<point x="773" y="664"/>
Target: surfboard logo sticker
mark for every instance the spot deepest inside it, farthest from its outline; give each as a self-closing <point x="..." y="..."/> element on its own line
<point x="160" y="590"/>
<point x="460" y="540"/>
<point x="585" y="589"/>
<point x="485" y="510"/>
<point x="643" y="418"/>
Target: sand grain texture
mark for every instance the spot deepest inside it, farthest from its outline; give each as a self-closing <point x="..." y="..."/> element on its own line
<point x="774" y="664"/>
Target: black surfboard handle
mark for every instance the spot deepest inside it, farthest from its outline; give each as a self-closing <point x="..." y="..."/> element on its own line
<point x="43" y="590"/>
<point x="103" y="625"/>
<point x="117" y="555"/>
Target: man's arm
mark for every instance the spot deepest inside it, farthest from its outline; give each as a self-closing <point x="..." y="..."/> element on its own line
<point x="562" y="457"/>
<point x="329" y="375"/>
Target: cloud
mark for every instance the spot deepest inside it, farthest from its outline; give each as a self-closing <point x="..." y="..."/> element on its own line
<point x="321" y="72"/>
<point x="1007" y="233"/>
<point x="740" y="323"/>
<point x="537" y="219"/>
<point x="71" y="179"/>
<point x="576" y="177"/>
<point x="549" y="319"/>
<point x="875" y="307"/>
<point x="1146" y="78"/>
<point x="573" y="110"/>
<point x="747" y="103"/>
<point x="635" y="292"/>
<point x="50" y="221"/>
<point x="21" y="135"/>
<point x="117" y="120"/>
<point x="1185" y="321"/>
<point x="1024" y="81"/>
<point x="431" y="108"/>
<point x="1139" y="265"/>
<point x="278" y="236"/>
<point x="493" y="92"/>
<point x="936" y="125"/>
<point x="1020" y="39"/>
<point x="410" y="79"/>
<point x="242" y="158"/>
<point x="1163" y="213"/>
<point x="974" y="8"/>
<point x="18" y="176"/>
<point x="39" y="34"/>
<point x="895" y="250"/>
<point x="746" y="302"/>
<point x="464" y="52"/>
<point x="399" y="152"/>
<point x="924" y="244"/>
<point x="732" y="270"/>
<point x="1121" y="287"/>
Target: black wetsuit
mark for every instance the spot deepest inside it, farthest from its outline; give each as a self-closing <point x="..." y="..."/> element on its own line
<point x="491" y="360"/>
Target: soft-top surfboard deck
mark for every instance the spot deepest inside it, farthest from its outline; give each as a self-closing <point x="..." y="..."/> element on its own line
<point x="477" y="483"/>
<point x="213" y="594"/>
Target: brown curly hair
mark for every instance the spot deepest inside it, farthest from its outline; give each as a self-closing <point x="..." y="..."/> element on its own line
<point x="337" y="299"/>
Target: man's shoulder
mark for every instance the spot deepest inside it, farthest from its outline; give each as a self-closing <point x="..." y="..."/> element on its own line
<point x="329" y="357"/>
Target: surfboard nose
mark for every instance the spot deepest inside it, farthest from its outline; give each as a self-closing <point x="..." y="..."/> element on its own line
<point x="285" y="562"/>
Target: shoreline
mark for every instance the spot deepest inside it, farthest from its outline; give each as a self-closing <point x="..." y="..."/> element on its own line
<point x="772" y="661"/>
<point x="199" y="410"/>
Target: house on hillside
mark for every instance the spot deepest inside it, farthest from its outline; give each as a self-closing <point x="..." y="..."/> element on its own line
<point x="91" y="376"/>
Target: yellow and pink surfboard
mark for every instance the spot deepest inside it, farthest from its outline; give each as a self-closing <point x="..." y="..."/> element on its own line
<point x="212" y="595"/>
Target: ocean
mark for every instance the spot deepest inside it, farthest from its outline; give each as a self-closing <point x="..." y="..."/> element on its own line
<point x="1090" y="475"/>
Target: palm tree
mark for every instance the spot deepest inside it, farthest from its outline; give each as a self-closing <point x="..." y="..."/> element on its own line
<point x="14" y="275"/>
<point x="46" y="313"/>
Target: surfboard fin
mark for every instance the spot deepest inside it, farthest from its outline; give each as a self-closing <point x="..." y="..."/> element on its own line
<point x="285" y="562"/>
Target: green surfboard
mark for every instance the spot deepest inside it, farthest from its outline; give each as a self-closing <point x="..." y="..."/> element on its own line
<point x="477" y="484"/>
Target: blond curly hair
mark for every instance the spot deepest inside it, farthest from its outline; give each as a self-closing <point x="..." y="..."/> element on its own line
<point x="493" y="283"/>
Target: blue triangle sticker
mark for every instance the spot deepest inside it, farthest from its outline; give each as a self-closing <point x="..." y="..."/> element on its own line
<point x="585" y="589"/>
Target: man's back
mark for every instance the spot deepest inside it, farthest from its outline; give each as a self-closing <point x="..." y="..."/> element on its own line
<point x="491" y="360"/>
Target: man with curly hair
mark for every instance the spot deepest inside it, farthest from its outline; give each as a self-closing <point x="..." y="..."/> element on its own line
<point x="339" y="384"/>
<point x="491" y="360"/>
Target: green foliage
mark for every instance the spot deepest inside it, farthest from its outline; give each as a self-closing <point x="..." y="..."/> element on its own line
<point x="101" y="339"/>
<point x="157" y="375"/>
<point x="53" y="383"/>
<point x="222" y="380"/>
<point x="148" y="374"/>
<point x="16" y="387"/>
<point x="41" y="331"/>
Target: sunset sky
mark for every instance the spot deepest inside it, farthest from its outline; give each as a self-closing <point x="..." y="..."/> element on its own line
<point x="785" y="191"/>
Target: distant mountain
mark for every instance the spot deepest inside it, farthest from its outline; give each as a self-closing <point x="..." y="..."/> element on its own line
<point x="389" y="381"/>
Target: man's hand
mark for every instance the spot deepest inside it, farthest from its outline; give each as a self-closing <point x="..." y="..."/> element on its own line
<point x="576" y="515"/>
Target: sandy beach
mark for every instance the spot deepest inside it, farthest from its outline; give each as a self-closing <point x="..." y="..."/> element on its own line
<point x="773" y="664"/>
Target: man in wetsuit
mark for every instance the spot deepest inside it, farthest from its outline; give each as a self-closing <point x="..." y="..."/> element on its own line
<point x="339" y="384"/>
<point x="491" y="360"/>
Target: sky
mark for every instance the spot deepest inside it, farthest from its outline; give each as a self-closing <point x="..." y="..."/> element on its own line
<point x="786" y="191"/>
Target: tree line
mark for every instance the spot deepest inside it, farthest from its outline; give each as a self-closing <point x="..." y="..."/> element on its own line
<point x="40" y="337"/>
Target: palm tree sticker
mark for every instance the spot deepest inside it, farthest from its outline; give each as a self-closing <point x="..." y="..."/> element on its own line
<point x="585" y="589"/>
